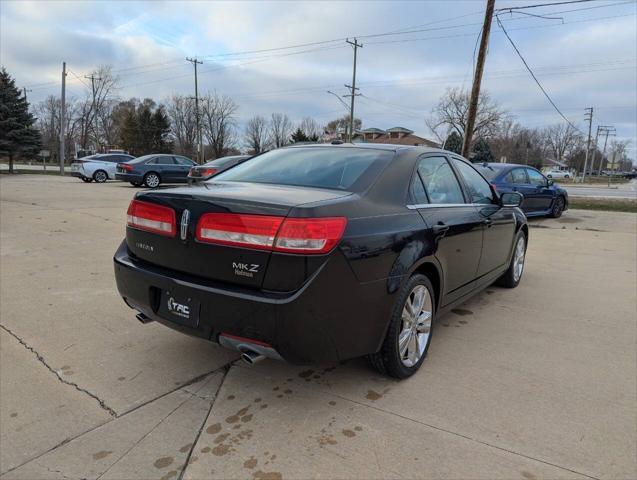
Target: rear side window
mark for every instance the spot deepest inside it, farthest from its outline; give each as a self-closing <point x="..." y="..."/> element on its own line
<point x="440" y="182"/>
<point x="341" y="168"/>
<point x="184" y="161"/>
<point x="478" y="188"/>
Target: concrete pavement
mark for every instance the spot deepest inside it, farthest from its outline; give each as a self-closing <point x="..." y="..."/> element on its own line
<point x="536" y="382"/>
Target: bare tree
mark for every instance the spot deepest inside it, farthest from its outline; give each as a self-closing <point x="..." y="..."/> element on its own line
<point x="99" y="94"/>
<point x="256" y="135"/>
<point x="561" y="139"/>
<point x="280" y="129"/>
<point x="218" y="122"/>
<point x="48" y="122"/>
<point x="311" y="128"/>
<point x="451" y="114"/>
<point x="181" y="111"/>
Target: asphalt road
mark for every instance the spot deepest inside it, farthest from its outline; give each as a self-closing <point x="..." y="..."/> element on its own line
<point x="625" y="190"/>
<point x="536" y="382"/>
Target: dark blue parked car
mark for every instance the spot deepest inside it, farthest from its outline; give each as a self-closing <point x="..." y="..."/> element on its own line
<point x="151" y="170"/>
<point x="542" y="197"/>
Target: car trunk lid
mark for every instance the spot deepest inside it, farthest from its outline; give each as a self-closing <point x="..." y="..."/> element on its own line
<point x="226" y="262"/>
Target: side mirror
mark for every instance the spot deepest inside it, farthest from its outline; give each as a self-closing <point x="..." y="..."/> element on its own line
<point x="549" y="182"/>
<point x="512" y="199"/>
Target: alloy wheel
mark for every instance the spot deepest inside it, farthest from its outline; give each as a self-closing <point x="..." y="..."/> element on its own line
<point x="416" y="326"/>
<point x="518" y="259"/>
<point x="100" y="177"/>
<point x="152" y="180"/>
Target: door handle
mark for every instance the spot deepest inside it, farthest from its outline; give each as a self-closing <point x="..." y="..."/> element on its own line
<point x="440" y="229"/>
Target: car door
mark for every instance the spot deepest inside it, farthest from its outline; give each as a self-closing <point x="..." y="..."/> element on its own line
<point x="184" y="165"/>
<point x="539" y="193"/>
<point x="455" y="225"/>
<point x="168" y="168"/>
<point x="517" y="181"/>
<point x="498" y="224"/>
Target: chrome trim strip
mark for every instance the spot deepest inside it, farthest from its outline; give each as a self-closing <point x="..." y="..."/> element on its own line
<point x="448" y="205"/>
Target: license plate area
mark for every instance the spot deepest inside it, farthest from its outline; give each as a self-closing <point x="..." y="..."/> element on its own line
<point x="179" y="307"/>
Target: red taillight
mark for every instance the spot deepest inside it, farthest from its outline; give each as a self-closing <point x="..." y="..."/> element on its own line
<point x="292" y="235"/>
<point x="125" y="167"/>
<point x="309" y="235"/>
<point x="254" y="231"/>
<point x="152" y="218"/>
<point x="202" y="172"/>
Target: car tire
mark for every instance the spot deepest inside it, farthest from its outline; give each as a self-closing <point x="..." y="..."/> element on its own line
<point x="549" y="176"/>
<point x="567" y="176"/>
<point x="87" y="180"/>
<point x="152" y="180"/>
<point x="409" y="335"/>
<point x="511" y="278"/>
<point x="558" y="207"/>
<point x="100" y="176"/>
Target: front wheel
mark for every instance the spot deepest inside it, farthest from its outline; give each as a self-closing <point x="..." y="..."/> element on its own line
<point x="151" y="180"/>
<point x="409" y="333"/>
<point x="558" y="207"/>
<point x="511" y="278"/>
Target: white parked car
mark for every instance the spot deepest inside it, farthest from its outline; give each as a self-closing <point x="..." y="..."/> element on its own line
<point x="557" y="174"/>
<point x="99" y="167"/>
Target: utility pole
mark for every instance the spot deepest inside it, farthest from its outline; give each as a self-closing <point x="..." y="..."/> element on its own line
<point x="477" y="79"/>
<point x="607" y="131"/>
<point x="200" y="152"/>
<point x="25" y="90"/>
<point x="589" y="117"/>
<point x="92" y="77"/>
<point x="353" y="89"/>
<point x="62" y="117"/>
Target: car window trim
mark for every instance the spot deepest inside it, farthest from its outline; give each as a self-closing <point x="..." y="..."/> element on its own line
<point x="464" y="182"/>
<point x="424" y="156"/>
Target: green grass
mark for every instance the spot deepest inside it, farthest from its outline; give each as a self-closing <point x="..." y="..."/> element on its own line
<point x="604" y="204"/>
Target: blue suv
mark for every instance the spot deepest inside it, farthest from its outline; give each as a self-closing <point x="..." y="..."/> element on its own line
<point x="542" y="196"/>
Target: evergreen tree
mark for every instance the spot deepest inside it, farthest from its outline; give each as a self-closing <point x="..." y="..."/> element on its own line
<point x="454" y="142"/>
<point x="18" y="136"/>
<point x="161" y="131"/>
<point x="129" y="132"/>
<point x="482" y="152"/>
<point x="299" y="136"/>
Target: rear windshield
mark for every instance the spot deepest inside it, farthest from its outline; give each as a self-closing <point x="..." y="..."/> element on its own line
<point x="221" y="162"/>
<point x="142" y="159"/>
<point x="340" y="168"/>
<point x="488" y="171"/>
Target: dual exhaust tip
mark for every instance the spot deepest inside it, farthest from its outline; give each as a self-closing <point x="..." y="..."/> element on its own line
<point x="251" y="357"/>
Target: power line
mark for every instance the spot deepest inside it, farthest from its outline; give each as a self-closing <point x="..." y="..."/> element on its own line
<point x="533" y="74"/>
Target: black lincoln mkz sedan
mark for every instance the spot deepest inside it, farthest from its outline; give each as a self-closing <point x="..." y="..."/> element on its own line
<point x="322" y="253"/>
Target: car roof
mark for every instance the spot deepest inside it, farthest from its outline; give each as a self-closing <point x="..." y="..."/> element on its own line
<point x="504" y="165"/>
<point x="373" y="146"/>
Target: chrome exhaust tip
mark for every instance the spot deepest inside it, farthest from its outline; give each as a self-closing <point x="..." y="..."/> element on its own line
<point x="143" y="318"/>
<point x="250" y="357"/>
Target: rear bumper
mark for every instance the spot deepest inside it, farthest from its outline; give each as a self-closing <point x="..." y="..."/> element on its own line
<point x="78" y="174"/>
<point x="129" y="177"/>
<point x="331" y="318"/>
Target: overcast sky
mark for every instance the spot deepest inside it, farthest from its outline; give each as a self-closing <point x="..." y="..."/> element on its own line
<point x="584" y="55"/>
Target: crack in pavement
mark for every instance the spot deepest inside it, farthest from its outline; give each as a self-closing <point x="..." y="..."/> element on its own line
<point x="225" y="367"/>
<point x="203" y="424"/>
<point x="141" y="439"/>
<point x="41" y="359"/>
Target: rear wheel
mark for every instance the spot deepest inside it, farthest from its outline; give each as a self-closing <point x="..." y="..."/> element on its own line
<point x="100" y="176"/>
<point x="558" y="207"/>
<point x="152" y="180"/>
<point x="409" y="333"/>
<point x="511" y="278"/>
